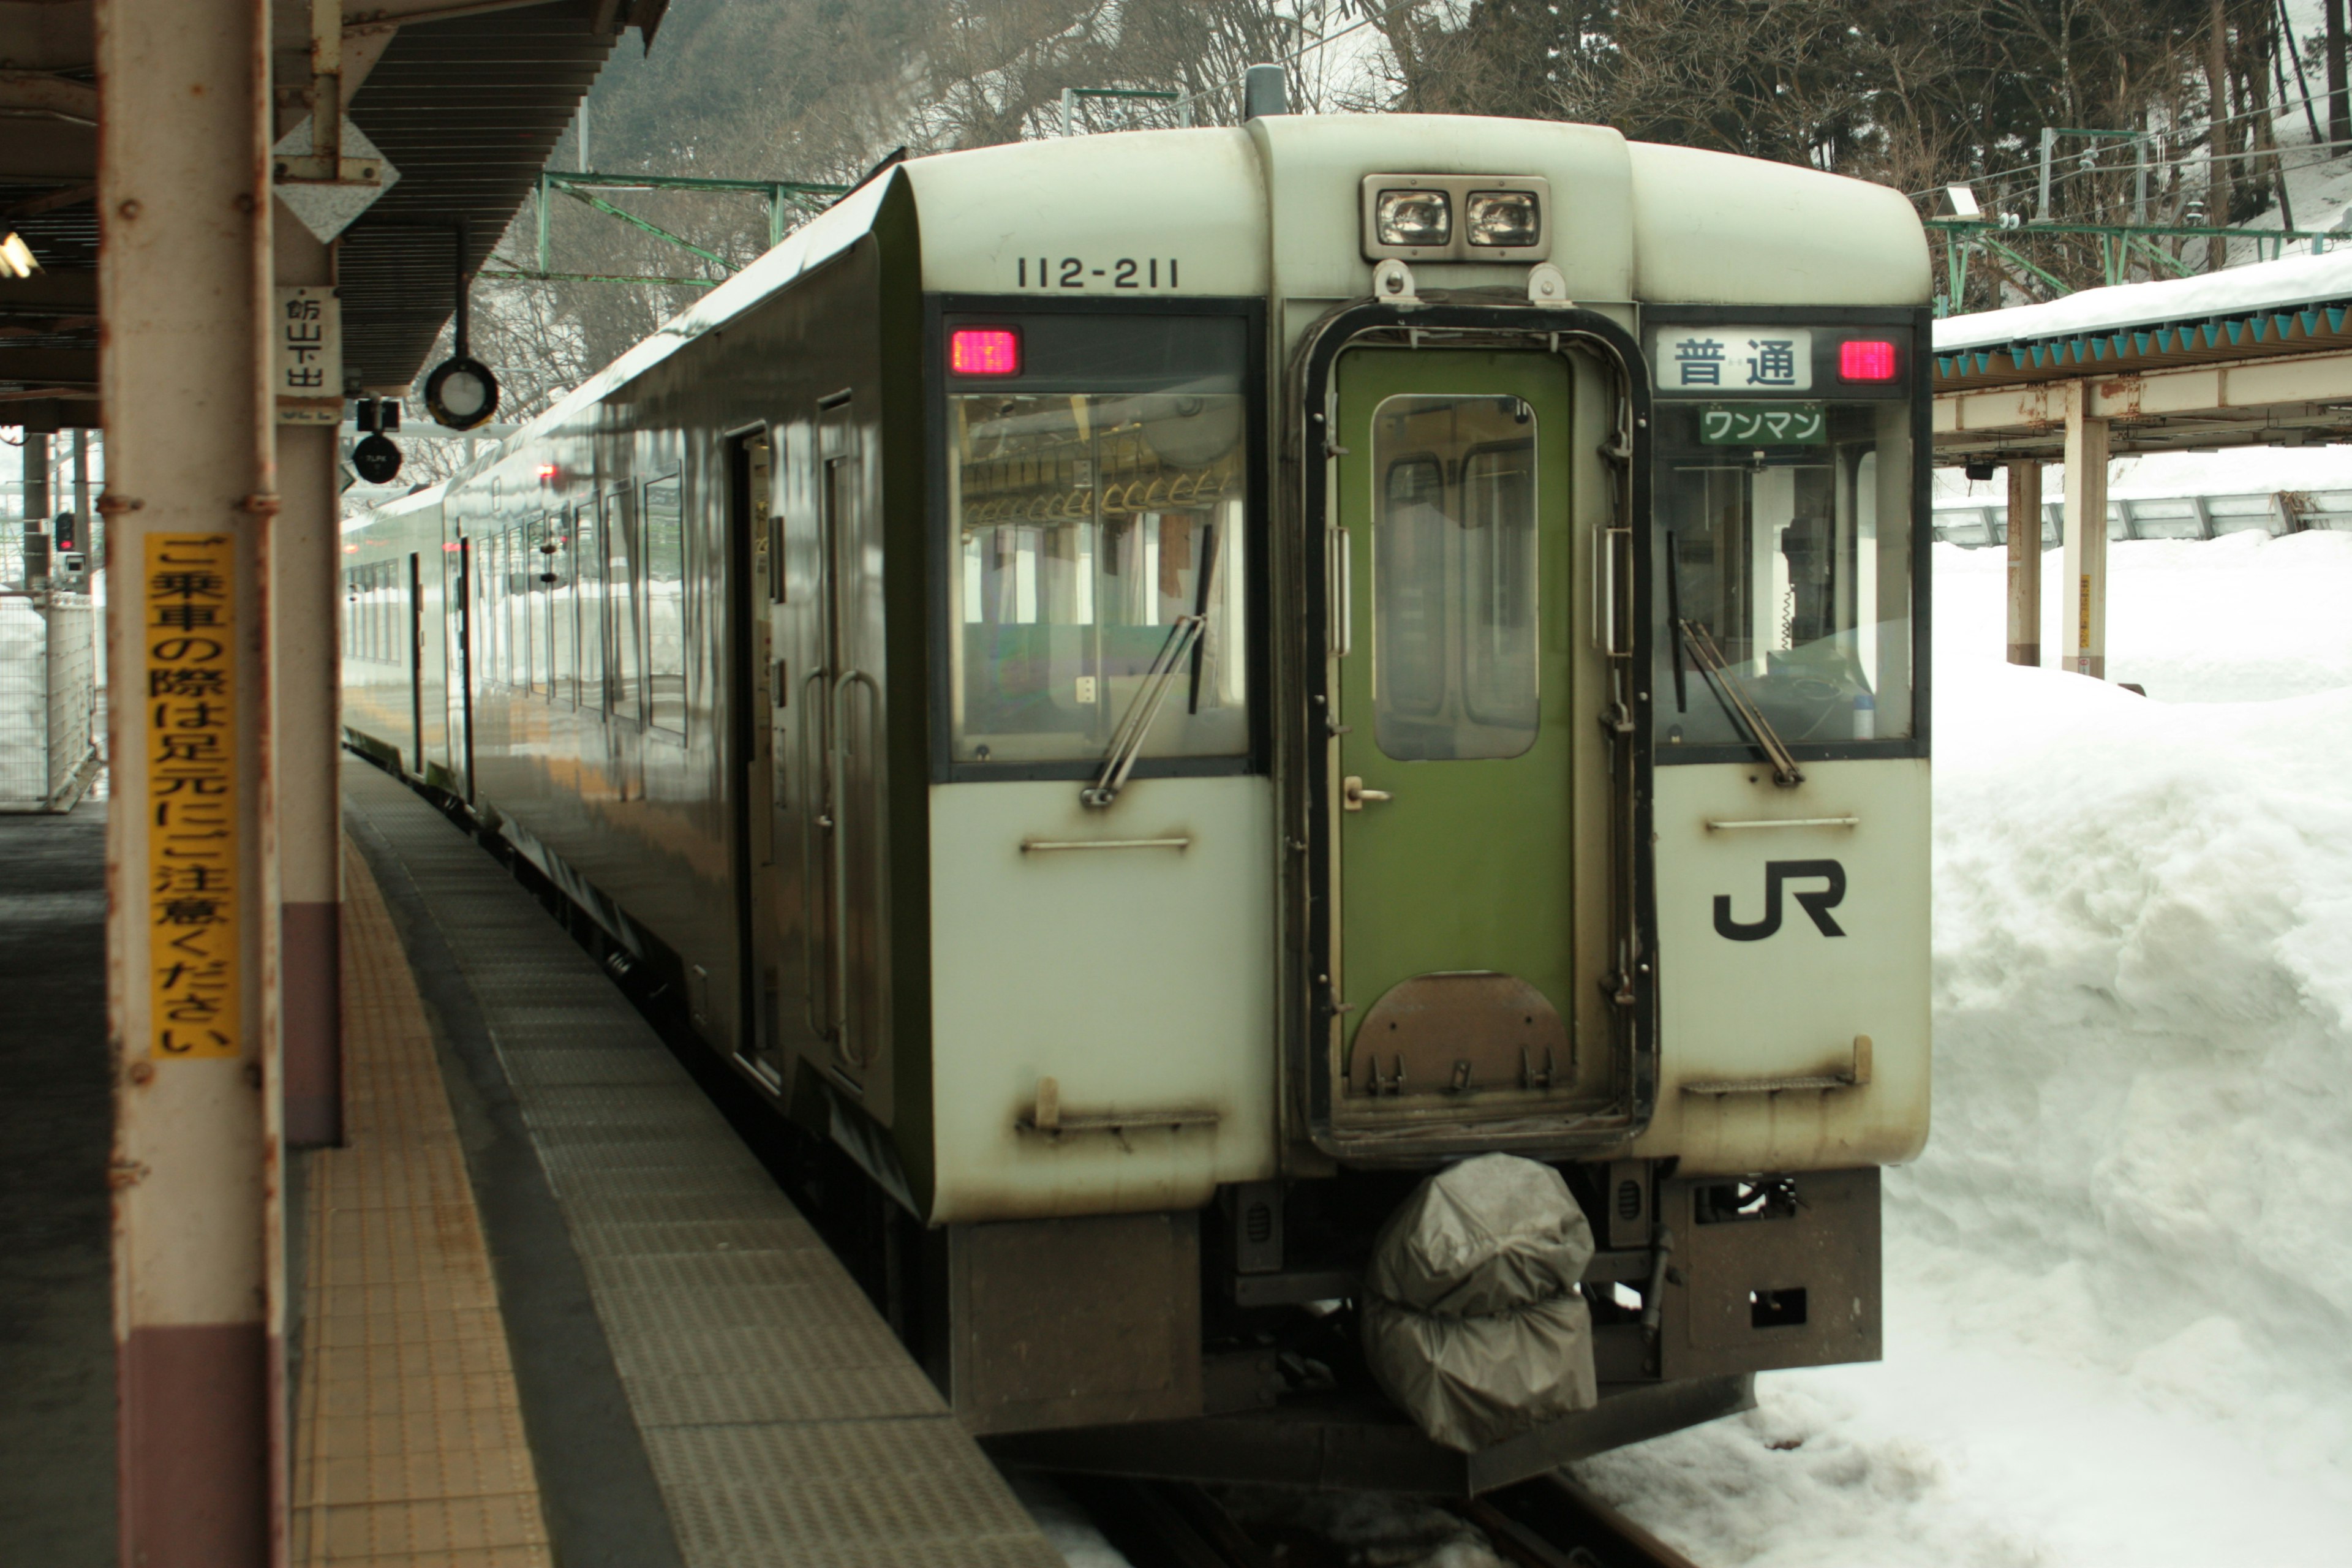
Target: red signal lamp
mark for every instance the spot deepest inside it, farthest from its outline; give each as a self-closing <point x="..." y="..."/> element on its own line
<point x="1866" y="359"/>
<point x="984" y="350"/>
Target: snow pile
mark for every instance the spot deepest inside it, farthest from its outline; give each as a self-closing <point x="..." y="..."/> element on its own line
<point x="2240" y="618"/>
<point x="2119" y="1283"/>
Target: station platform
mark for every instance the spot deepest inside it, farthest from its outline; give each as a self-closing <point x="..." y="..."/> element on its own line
<point x="561" y="1312"/>
<point x="57" y="1120"/>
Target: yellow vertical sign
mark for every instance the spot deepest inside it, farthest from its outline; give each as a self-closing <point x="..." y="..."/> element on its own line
<point x="189" y="721"/>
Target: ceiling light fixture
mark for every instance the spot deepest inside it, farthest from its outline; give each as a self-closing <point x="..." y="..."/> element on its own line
<point x="17" y="257"/>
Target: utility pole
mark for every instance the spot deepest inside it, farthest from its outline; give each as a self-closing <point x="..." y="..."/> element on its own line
<point x="2217" y="135"/>
<point x="2339" y="98"/>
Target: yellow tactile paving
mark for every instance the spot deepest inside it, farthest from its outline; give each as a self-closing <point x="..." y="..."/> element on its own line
<point x="408" y="1443"/>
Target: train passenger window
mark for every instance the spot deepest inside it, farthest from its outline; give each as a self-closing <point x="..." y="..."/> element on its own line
<point x="1091" y="527"/>
<point x="622" y="653"/>
<point x="1454" y="578"/>
<point x="588" y="595"/>
<point x="665" y="582"/>
<point x="1793" y="559"/>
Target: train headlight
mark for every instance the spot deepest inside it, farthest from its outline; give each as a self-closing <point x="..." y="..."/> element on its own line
<point x="1414" y="217"/>
<point x="1512" y="219"/>
<point x="1489" y="218"/>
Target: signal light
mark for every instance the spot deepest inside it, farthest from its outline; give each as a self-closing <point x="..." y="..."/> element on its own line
<point x="1866" y="359"/>
<point x="548" y="471"/>
<point x="984" y="350"/>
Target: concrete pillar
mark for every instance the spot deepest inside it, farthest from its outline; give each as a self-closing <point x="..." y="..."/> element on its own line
<point x="2024" y="561"/>
<point x="184" y="206"/>
<point x="38" y="498"/>
<point x="305" y="564"/>
<point x="2086" y="536"/>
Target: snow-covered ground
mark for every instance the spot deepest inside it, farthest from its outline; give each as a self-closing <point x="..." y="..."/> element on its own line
<point x="2119" y="1283"/>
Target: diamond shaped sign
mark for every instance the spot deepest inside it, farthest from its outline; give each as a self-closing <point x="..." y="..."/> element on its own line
<point x="326" y="210"/>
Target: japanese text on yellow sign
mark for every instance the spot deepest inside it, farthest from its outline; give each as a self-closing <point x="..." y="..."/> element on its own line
<point x="190" y="724"/>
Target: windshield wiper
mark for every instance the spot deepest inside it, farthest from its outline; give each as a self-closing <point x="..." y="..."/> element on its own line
<point x="1744" y="713"/>
<point x="1127" y="739"/>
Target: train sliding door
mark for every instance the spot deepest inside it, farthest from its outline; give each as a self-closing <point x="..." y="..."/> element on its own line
<point x="847" y="897"/>
<point x="1463" y="955"/>
<point x="812" y="736"/>
<point x="758" y="679"/>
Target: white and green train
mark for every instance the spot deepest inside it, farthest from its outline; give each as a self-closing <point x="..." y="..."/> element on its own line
<point x="1150" y="691"/>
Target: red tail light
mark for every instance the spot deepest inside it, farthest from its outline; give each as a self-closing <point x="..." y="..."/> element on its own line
<point x="984" y="350"/>
<point x="1866" y="359"/>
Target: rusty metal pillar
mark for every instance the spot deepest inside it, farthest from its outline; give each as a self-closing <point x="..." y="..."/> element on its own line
<point x="183" y="288"/>
<point x="2024" y="560"/>
<point x="2086" y="535"/>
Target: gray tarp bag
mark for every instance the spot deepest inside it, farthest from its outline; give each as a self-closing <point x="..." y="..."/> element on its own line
<point x="1472" y="1321"/>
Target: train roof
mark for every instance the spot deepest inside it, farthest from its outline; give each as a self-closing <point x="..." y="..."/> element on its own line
<point x="1635" y="223"/>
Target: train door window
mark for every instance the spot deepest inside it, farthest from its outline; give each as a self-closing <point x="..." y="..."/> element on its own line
<point x="560" y="611"/>
<point x="665" y="607"/>
<point x="1455" y="578"/>
<point x="514" y="618"/>
<point x="624" y="653"/>
<point x="538" y="591"/>
<point x="495" y="580"/>
<point x="588" y="599"/>
<point x="1097" y="515"/>
<point x="1793" y="559"/>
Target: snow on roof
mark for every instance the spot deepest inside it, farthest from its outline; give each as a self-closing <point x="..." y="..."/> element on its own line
<point x="2290" y="282"/>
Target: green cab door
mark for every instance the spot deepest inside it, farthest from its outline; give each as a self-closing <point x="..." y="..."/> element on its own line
<point x="1457" y="766"/>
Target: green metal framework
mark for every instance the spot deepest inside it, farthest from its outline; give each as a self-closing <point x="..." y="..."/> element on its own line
<point x="783" y="195"/>
<point x="2117" y="242"/>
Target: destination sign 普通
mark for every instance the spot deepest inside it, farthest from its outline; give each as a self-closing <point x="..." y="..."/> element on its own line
<point x="1734" y="359"/>
<point x="1761" y="424"/>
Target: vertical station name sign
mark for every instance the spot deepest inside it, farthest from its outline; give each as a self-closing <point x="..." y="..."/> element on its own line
<point x="188" y="677"/>
<point x="307" y="367"/>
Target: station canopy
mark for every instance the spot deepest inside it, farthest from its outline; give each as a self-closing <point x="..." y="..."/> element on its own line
<point x="466" y="99"/>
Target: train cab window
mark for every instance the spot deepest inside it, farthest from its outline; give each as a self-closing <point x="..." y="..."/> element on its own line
<point x="1097" y="521"/>
<point x="1790" y="560"/>
<point x="665" y="541"/>
<point x="1454" y="578"/>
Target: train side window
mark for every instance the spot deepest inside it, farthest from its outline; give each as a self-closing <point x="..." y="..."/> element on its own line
<point x="663" y="531"/>
<point x="620" y="595"/>
<point x="1454" y="578"/>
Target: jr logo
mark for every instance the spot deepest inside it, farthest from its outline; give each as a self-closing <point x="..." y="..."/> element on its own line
<point x="1817" y="904"/>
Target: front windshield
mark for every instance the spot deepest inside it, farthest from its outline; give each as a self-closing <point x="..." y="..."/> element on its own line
<point x="1087" y="528"/>
<point x="1787" y="541"/>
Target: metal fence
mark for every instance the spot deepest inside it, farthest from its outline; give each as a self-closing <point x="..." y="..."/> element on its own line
<point x="48" y="698"/>
<point x="2274" y="512"/>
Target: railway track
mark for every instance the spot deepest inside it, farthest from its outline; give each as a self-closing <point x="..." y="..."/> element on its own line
<point x="1549" y="1522"/>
